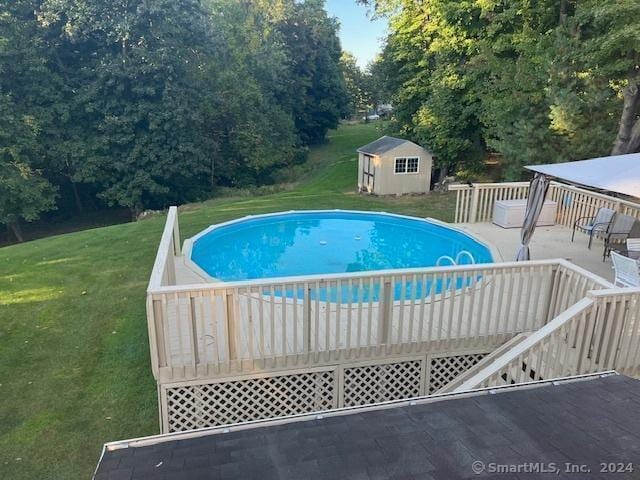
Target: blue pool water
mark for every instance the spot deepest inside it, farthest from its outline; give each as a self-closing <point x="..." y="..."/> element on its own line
<point x="309" y="243"/>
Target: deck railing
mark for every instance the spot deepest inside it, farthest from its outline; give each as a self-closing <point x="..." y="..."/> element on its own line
<point x="164" y="267"/>
<point x="234" y="351"/>
<point x="163" y="274"/>
<point x="240" y="327"/>
<point x="598" y="333"/>
<point x="474" y="203"/>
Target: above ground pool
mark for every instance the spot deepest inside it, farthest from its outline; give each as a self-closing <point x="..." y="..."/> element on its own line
<point x="324" y="242"/>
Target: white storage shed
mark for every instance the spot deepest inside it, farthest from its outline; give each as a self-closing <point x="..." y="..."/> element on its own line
<point x="393" y="166"/>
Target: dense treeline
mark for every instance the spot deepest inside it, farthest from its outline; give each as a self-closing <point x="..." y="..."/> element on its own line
<point x="364" y="86"/>
<point x="141" y="103"/>
<point x="535" y="82"/>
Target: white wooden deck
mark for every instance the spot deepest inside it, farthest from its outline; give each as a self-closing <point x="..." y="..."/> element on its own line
<point x="214" y="323"/>
<point x="186" y="275"/>
<point x="546" y="243"/>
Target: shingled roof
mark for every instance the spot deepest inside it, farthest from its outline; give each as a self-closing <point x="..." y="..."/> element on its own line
<point x="383" y="145"/>
<point x="584" y="422"/>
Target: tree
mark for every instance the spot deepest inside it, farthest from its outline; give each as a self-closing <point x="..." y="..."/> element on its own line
<point x="137" y="90"/>
<point x="541" y="102"/>
<point x="142" y="104"/>
<point x="255" y="133"/>
<point x="24" y="195"/>
<point x="379" y="79"/>
<point x="424" y="63"/>
<point x="611" y="47"/>
<point x="535" y="82"/>
<point x="24" y="192"/>
<point x="358" y="85"/>
<point x="511" y="75"/>
<point x="317" y="96"/>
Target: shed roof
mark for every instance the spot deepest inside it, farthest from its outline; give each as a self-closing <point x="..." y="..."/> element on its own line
<point x="384" y="145"/>
<point x="582" y="421"/>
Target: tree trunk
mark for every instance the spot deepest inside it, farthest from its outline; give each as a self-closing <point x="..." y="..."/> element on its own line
<point x="628" y="116"/>
<point x="212" y="180"/>
<point x="563" y="13"/>
<point x="136" y="210"/>
<point x="76" y="197"/>
<point x="634" y="141"/>
<point x="14" y="227"/>
<point x="442" y="174"/>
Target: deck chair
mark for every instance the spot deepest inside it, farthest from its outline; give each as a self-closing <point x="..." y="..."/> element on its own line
<point x="627" y="271"/>
<point x="633" y="244"/>
<point x="622" y="228"/>
<point x="594" y="225"/>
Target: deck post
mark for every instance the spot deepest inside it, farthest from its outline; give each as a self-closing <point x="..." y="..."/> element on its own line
<point x="549" y="310"/>
<point x="156" y="335"/>
<point x="194" y="332"/>
<point x="176" y="234"/>
<point x="473" y="214"/>
<point x="306" y="320"/>
<point x="231" y="326"/>
<point x="617" y="206"/>
<point x="386" y="303"/>
<point x="170" y="270"/>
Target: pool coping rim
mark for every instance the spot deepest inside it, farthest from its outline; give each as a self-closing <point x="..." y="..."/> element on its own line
<point x="187" y="247"/>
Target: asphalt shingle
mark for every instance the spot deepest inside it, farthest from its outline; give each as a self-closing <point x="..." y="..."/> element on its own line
<point x="583" y="422"/>
<point x="383" y="145"/>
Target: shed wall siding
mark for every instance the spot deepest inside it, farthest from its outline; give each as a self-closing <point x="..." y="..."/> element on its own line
<point x="389" y="183"/>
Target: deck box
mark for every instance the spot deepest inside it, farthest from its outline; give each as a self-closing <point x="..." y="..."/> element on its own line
<point x="510" y="213"/>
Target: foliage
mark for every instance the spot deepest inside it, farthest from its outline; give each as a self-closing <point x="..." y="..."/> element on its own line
<point x="534" y="82"/>
<point x="358" y="85"/>
<point x="316" y="95"/>
<point x="428" y="48"/>
<point x="24" y="192"/>
<point x="379" y="78"/>
<point x="610" y="48"/>
<point x="366" y="87"/>
<point x="138" y="90"/>
<point x="142" y="104"/>
<point x="539" y="104"/>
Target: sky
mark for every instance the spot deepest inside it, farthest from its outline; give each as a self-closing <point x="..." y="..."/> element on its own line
<point x="358" y="34"/>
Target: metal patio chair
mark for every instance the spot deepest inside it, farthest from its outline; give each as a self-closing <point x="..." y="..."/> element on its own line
<point x="622" y="228"/>
<point x="594" y="225"/>
<point x="627" y="270"/>
<point x="633" y="244"/>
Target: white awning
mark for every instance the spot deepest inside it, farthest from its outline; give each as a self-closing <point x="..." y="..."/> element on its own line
<point x="618" y="173"/>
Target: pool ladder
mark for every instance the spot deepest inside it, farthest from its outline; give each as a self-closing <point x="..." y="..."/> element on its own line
<point x="456" y="261"/>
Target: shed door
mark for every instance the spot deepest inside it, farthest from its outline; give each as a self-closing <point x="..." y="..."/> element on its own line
<point x="368" y="173"/>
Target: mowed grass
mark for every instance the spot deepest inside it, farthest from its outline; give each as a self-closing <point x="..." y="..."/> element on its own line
<point x="74" y="357"/>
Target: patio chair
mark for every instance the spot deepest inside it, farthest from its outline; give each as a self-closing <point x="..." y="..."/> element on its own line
<point x="622" y="228"/>
<point x="594" y="225"/>
<point x="633" y="244"/>
<point x="627" y="271"/>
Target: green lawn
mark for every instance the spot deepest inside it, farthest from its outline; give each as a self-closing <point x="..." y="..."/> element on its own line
<point x="74" y="366"/>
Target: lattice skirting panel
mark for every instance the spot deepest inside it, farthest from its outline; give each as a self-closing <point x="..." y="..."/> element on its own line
<point x="445" y="369"/>
<point x="379" y="383"/>
<point x="191" y="405"/>
<point x="195" y="406"/>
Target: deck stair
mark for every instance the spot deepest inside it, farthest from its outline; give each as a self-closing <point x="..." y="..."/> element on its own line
<point x="548" y="360"/>
<point x="486" y="361"/>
